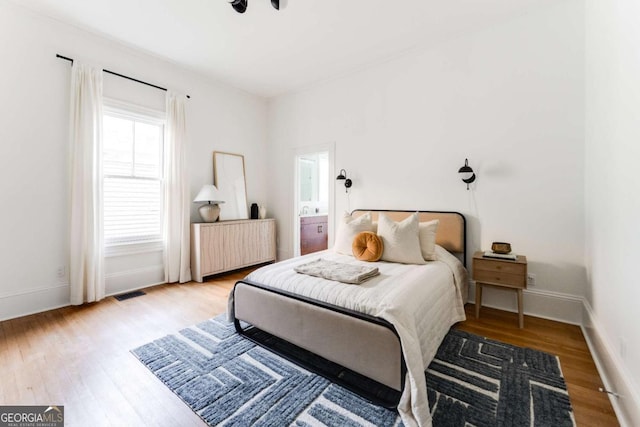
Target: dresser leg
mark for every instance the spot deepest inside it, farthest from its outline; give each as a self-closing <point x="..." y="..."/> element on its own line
<point x="520" y="310"/>
<point x="478" y="299"/>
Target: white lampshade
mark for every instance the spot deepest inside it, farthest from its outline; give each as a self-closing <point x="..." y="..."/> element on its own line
<point x="208" y="193"/>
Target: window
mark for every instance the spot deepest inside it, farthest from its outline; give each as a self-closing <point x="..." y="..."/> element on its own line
<point x="133" y="173"/>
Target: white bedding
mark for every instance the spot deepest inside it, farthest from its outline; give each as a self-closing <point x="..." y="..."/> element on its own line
<point x="420" y="301"/>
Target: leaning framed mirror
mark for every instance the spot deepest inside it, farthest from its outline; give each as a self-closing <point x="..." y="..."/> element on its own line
<point x="229" y="178"/>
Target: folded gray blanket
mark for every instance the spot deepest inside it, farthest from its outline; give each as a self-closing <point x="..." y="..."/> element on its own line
<point x="331" y="270"/>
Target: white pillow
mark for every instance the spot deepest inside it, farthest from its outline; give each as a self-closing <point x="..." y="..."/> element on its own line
<point x="428" y="239"/>
<point x="401" y="239"/>
<point x="348" y="228"/>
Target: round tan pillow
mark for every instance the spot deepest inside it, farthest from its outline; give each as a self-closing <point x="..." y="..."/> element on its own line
<point x="367" y="246"/>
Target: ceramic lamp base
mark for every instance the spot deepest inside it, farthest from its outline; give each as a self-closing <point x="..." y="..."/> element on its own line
<point x="209" y="212"/>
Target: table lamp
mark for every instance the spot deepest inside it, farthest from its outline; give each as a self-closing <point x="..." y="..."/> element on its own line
<point x="209" y="211"/>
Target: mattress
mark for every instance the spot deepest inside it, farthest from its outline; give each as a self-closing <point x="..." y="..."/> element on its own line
<point x="421" y="301"/>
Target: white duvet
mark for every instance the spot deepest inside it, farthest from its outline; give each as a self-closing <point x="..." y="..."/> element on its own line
<point x="420" y="301"/>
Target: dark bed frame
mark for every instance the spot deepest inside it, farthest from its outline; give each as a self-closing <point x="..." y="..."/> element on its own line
<point x="368" y="388"/>
<point x="371" y="390"/>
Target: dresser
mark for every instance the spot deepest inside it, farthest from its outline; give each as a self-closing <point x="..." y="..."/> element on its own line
<point x="228" y="245"/>
<point x="500" y="273"/>
<point x="313" y="234"/>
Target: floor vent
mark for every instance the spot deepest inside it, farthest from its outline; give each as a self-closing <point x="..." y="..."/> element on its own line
<point x="129" y="295"/>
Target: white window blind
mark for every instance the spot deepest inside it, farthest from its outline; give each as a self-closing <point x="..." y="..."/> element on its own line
<point x="132" y="168"/>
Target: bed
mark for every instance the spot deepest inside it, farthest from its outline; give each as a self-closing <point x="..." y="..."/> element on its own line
<point x="378" y="337"/>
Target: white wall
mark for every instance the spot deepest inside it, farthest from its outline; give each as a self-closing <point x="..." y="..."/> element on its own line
<point x="34" y="149"/>
<point x="613" y="194"/>
<point x="509" y="97"/>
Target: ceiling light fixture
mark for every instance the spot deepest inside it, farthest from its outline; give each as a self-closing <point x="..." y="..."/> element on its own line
<point x="240" y="6"/>
<point x="279" y="4"/>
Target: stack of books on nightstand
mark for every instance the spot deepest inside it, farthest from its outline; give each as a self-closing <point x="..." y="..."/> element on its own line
<point x="490" y="254"/>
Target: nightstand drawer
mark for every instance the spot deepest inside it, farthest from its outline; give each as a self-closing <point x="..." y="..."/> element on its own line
<point x="507" y="279"/>
<point x="499" y="266"/>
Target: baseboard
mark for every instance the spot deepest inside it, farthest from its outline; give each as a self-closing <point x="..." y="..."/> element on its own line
<point x="539" y="303"/>
<point x="51" y="297"/>
<point x="613" y="372"/>
<point x="134" y="279"/>
<point x="34" y="301"/>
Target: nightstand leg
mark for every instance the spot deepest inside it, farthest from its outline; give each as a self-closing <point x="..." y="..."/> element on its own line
<point x="478" y="299"/>
<point x="520" y="310"/>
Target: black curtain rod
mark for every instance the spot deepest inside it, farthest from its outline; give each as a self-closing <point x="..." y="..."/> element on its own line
<point x="120" y="75"/>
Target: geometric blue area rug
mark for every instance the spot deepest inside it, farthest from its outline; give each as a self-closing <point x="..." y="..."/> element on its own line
<point x="481" y="382"/>
<point x="228" y="380"/>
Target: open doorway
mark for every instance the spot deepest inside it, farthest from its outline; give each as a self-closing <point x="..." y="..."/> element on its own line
<point x="312" y="198"/>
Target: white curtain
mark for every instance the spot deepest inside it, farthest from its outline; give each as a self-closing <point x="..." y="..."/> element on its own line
<point x="86" y="271"/>
<point x="177" y="198"/>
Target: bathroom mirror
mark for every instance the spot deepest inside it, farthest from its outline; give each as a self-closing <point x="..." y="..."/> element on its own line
<point x="308" y="179"/>
<point x="229" y="178"/>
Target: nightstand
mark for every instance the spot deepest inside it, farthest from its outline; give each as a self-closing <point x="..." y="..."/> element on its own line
<point x="500" y="273"/>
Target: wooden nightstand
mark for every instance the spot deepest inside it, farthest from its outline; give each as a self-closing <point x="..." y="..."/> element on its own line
<point x="500" y="273"/>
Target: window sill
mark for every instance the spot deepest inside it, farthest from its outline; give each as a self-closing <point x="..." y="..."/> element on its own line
<point x="132" y="248"/>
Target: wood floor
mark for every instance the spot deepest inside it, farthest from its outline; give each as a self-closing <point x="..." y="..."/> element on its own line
<point x="79" y="356"/>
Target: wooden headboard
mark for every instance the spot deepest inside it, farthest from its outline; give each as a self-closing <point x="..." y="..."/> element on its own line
<point x="452" y="230"/>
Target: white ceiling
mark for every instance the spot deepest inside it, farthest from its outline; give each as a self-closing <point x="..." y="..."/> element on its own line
<point x="269" y="52"/>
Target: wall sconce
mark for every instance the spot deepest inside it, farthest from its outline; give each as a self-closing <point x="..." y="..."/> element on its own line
<point x="342" y="176"/>
<point x="466" y="173"/>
